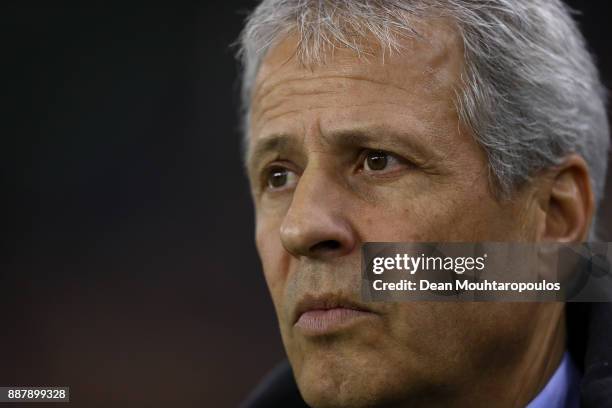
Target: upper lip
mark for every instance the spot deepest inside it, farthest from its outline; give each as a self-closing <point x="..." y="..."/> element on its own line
<point x="325" y="302"/>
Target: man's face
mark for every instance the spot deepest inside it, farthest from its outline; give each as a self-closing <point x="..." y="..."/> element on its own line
<point x="349" y="152"/>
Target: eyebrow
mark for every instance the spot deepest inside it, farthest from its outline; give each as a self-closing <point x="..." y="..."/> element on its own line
<point x="418" y="147"/>
<point x="382" y="137"/>
<point x="270" y="144"/>
<point x="376" y="134"/>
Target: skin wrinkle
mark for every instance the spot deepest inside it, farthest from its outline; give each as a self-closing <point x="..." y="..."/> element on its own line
<point x="399" y="355"/>
<point x="262" y="122"/>
<point x="259" y="90"/>
<point x="433" y="82"/>
<point x="261" y="111"/>
<point x="272" y="87"/>
<point x="271" y="117"/>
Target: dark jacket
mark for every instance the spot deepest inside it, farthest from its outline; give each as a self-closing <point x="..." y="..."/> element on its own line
<point x="589" y="343"/>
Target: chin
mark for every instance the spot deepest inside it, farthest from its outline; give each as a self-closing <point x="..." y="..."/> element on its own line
<point x="322" y="393"/>
<point x="344" y="382"/>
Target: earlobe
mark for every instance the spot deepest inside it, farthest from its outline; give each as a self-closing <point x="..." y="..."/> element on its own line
<point x="570" y="203"/>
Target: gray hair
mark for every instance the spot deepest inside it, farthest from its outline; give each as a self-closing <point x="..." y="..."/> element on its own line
<point x="531" y="93"/>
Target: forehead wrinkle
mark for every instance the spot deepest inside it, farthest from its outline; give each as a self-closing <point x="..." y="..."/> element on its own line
<point x="429" y="74"/>
<point x="276" y="102"/>
<point x="260" y="109"/>
<point x="266" y="90"/>
<point x="440" y="36"/>
<point x="274" y="116"/>
<point x="346" y="78"/>
<point x="273" y="67"/>
<point x="433" y="79"/>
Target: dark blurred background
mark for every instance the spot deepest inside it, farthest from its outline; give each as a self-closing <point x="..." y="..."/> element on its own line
<point x="129" y="271"/>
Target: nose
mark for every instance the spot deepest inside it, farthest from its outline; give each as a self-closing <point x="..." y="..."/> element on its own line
<point x="316" y="224"/>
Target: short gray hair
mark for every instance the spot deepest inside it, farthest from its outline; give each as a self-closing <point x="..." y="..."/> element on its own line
<point x="531" y="92"/>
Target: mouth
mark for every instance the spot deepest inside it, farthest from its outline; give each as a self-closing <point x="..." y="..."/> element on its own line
<point x="319" y="315"/>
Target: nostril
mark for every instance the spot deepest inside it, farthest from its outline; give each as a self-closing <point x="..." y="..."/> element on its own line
<point x="324" y="246"/>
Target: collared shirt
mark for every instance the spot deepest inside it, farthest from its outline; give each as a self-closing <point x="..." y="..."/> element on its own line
<point x="562" y="390"/>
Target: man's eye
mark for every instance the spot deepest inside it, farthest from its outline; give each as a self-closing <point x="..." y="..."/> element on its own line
<point x="278" y="178"/>
<point x="378" y="161"/>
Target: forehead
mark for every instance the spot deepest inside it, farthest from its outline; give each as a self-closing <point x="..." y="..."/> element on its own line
<point x="411" y="90"/>
<point x="433" y="57"/>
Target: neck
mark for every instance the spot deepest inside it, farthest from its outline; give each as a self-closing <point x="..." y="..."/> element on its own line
<point x="528" y="371"/>
<point x="542" y="358"/>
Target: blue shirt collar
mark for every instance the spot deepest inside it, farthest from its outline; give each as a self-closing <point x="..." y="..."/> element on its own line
<point x="562" y="390"/>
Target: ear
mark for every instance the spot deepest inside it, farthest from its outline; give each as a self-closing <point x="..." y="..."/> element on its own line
<point x="567" y="201"/>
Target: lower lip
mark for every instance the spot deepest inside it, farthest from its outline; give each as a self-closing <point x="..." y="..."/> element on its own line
<point x="327" y="320"/>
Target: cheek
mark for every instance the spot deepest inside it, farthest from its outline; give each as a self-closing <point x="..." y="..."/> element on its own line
<point x="274" y="258"/>
<point x="446" y="217"/>
<point x="416" y="220"/>
<point x="472" y="333"/>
